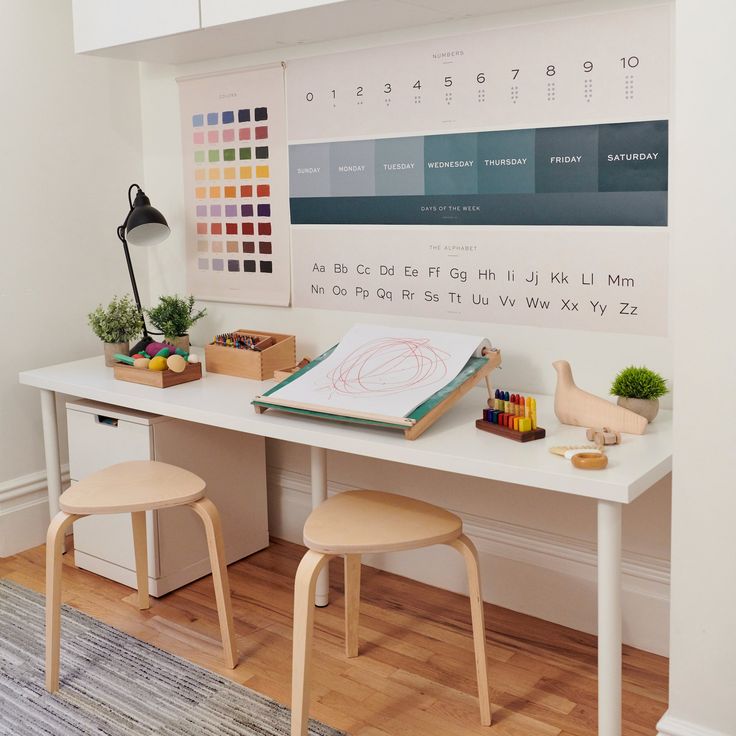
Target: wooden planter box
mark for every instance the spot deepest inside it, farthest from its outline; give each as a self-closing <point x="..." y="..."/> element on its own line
<point x="259" y="365"/>
<point x="158" y="379"/>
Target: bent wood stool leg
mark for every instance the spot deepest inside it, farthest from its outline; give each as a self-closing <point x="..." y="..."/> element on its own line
<point x="470" y="554"/>
<point x="207" y="511"/>
<point x="138" y="521"/>
<point x="305" y="584"/>
<point x="54" y="547"/>
<point x="352" y="604"/>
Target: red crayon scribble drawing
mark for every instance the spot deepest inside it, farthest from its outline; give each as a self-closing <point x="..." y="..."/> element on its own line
<point x="388" y="366"/>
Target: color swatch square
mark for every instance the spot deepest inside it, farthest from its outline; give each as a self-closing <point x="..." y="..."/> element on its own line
<point x="213" y="173"/>
<point x="228" y="136"/>
<point x="217" y="264"/>
<point x="217" y="246"/>
<point x="215" y="210"/>
<point x="244" y="154"/>
<point x="244" y="116"/>
<point x="201" y="228"/>
<point x="232" y="246"/>
<point x="249" y="246"/>
<point x="246" y="172"/>
<point x="216" y="228"/>
<point x="213" y="136"/>
<point x="214" y="192"/>
<point x="201" y="210"/>
<point x="200" y="174"/>
<point x="198" y="120"/>
<point x="228" y="117"/>
<point x="231" y="210"/>
<point x="263" y="190"/>
<point x="198" y="138"/>
<point x="229" y="172"/>
<point x="261" y="113"/>
<point x="264" y="247"/>
<point x="200" y="192"/>
<point x="249" y="266"/>
<point x="244" y="134"/>
<point x="246" y="210"/>
<point x="213" y="155"/>
<point x="262" y="172"/>
<point x="231" y="228"/>
<point x="261" y="151"/>
<point x="212" y="118"/>
<point x="230" y="192"/>
<point x="246" y="190"/>
<point x="264" y="210"/>
<point x="228" y="154"/>
<point x="198" y="157"/>
<point x="203" y="264"/>
<point x="261" y="132"/>
<point x="264" y="228"/>
<point x="266" y="266"/>
<point x="247" y="228"/>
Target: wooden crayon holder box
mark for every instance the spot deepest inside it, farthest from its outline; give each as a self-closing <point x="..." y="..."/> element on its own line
<point x="257" y="364"/>
<point x="509" y="432"/>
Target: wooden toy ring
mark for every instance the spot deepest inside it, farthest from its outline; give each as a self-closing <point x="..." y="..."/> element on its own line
<point x="589" y="460"/>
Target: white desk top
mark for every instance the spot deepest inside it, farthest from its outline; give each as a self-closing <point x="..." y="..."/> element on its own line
<point x="453" y="444"/>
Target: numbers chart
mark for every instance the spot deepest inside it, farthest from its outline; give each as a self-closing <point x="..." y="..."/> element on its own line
<point x="235" y="173"/>
<point x="547" y="144"/>
<point x="604" y="68"/>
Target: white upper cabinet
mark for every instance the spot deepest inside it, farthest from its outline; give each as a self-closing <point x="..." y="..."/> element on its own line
<point x="101" y="24"/>
<point x="220" y="12"/>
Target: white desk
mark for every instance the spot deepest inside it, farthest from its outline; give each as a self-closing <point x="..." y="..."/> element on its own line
<point x="453" y="445"/>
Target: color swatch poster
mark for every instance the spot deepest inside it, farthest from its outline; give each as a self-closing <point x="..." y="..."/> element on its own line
<point x="499" y="175"/>
<point x="236" y="191"/>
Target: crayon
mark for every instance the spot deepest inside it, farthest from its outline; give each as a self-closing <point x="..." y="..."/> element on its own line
<point x="533" y="413"/>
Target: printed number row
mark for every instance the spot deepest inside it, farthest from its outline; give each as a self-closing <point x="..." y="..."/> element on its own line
<point x="630" y="62"/>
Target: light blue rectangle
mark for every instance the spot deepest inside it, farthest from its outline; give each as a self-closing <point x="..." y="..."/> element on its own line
<point x="400" y="166"/>
<point x="352" y="169"/>
<point x="309" y="170"/>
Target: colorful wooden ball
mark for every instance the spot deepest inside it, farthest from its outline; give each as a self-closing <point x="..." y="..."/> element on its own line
<point x="193" y="358"/>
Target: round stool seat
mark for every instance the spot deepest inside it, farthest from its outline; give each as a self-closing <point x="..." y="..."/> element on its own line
<point x="371" y="521"/>
<point x="134" y="486"/>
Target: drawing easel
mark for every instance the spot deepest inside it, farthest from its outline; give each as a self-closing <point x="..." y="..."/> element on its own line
<point x="418" y="421"/>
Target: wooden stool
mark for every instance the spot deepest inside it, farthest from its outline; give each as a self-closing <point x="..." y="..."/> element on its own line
<point x="134" y="487"/>
<point x="361" y="522"/>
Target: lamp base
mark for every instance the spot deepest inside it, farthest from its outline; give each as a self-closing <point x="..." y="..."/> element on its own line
<point x="141" y="345"/>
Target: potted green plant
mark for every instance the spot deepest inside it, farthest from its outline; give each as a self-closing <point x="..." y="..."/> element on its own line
<point x="116" y="325"/>
<point x="174" y="316"/>
<point x="639" y="389"/>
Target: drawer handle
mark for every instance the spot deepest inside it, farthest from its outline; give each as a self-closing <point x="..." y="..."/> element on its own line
<point x="109" y="421"/>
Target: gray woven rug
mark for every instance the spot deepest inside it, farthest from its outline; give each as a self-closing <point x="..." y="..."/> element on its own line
<point x="116" y="685"/>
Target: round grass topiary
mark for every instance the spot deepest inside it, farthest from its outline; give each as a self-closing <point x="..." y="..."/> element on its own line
<point x="639" y="383"/>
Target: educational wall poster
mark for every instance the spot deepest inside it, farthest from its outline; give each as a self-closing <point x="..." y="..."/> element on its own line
<point x="536" y="148"/>
<point x="236" y="191"/>
<point x="577" y="278"/>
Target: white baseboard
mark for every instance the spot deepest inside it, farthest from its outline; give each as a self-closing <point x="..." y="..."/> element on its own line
<point x="671" y="726"/>
<point x="535" y="572"/>
<point x="24" y="512"/>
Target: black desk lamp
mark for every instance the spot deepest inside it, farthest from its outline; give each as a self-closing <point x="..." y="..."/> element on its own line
<point x="144" y="225"/>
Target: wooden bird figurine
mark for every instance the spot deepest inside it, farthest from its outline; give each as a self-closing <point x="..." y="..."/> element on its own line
<point x="582" y="409"/>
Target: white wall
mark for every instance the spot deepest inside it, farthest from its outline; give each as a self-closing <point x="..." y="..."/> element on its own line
<point x="70" y="144"/>
<point x="512" y="521"/>
<point x="703" y="647"/>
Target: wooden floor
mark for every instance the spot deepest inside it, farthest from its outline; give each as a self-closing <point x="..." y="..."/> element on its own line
<point x="415" y="675"/>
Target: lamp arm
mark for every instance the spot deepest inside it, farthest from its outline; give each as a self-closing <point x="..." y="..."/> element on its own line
<point x="136" y="296"/>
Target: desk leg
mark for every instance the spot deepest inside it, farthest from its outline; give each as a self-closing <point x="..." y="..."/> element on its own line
<point x="318" y="461"/>
<point x="51" y="449"/>
<point x="609" y="618"/>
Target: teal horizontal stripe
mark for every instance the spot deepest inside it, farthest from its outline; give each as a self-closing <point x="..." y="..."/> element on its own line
<point x="615" y="157"/>
<point x="551" y="208"/>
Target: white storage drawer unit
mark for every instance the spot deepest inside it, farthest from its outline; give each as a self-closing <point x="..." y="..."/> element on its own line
<point x="232" y="464"/>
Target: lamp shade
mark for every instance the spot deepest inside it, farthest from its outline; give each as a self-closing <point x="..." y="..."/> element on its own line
<point x="145" y="225"/>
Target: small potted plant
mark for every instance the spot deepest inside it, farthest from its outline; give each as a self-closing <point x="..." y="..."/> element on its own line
<point x="174" y="316"/>
<point x="116" y="325"/>
<point x="639" y="390"/>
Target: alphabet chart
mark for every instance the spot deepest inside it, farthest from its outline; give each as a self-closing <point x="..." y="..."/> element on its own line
<point x="235" y="178"/>
<point x="538" y="149"/>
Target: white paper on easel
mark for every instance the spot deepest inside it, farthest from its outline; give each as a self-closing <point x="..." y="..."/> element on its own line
<point x="384" y="371"/>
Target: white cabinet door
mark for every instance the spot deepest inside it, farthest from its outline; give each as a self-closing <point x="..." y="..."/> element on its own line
<point x="220" y="12"/>
<point x="99" y="24"/>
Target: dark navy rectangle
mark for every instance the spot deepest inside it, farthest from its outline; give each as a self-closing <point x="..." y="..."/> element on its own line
<point x="550" y="208"/>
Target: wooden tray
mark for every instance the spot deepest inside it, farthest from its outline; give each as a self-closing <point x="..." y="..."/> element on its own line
<point x="258" y="364"/>
<point x="512" y="434"/>
<point x="158" y="379"/>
